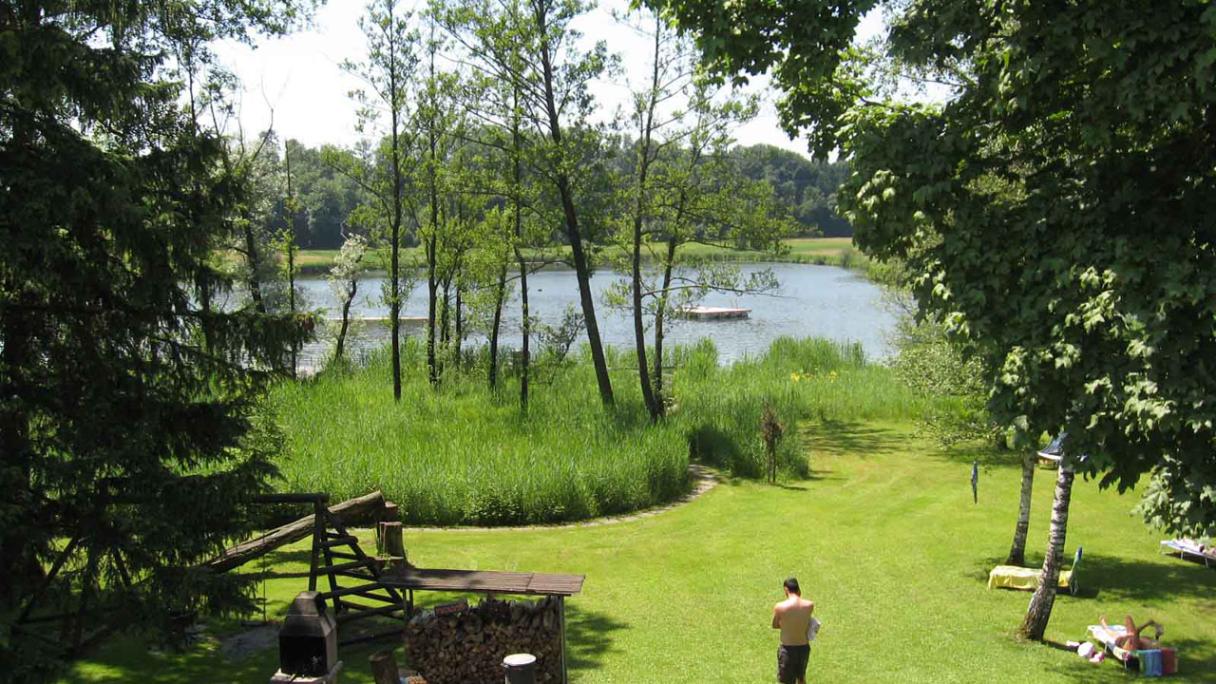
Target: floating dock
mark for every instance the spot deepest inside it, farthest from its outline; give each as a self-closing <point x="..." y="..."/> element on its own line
<point x="713" y="313"/>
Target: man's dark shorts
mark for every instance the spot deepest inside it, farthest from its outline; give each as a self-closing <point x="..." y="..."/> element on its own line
<point x="791" y="663"/>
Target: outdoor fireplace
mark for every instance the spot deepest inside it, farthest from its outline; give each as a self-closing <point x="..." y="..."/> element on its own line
<point x="308" y="639"/>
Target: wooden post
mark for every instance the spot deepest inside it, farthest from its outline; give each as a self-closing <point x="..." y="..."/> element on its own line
<point x="561" y="627"/>
<point x="384" y="668"/>
<point x="318" y="533"/>
<point x="394" y="545"/>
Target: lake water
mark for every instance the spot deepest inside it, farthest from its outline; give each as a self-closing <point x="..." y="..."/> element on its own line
<point x="813" y="301"/>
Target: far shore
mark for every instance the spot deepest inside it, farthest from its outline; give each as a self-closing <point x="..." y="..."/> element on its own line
<point x="826" y="251"/>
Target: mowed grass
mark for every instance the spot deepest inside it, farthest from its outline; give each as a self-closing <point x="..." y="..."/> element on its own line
<point x="883" y="535"/>
<point x="462" y="454"/>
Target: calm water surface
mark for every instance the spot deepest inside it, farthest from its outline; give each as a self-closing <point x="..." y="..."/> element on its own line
<point x="813" y="301"/>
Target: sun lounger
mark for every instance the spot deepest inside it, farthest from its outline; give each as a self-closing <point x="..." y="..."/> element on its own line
<point x="1189" y="549"/>
<point x="1027" y="579"/>
<point x="1153" y="662"/>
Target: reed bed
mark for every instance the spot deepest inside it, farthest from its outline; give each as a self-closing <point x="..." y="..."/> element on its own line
<point x="463" y="455"/>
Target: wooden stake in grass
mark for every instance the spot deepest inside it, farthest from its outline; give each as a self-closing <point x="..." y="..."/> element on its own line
<point x="771" y="431"/>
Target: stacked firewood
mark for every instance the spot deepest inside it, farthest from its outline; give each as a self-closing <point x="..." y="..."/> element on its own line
<point x="467" y="647"/>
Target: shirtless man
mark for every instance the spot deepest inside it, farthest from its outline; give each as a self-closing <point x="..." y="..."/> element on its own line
<point x="792" y="616"/>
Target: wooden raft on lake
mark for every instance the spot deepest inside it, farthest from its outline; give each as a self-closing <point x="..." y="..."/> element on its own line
<point x="712" y="313"/>
<point x="411" y="320"/>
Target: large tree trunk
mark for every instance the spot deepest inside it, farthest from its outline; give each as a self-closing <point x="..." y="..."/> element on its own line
<point x="639" y="218"/>
<point x="526" y="332"/>
<point x="352" y="289"/>
<point x="445" y="322"/>
<point x="290" y="244"/>
<point x="660" y="318"/>
<point x="394" y="271"/>
<point x="526" y="323"/>
<point x="1017" y="553"/>
<point x="432" y="299"/>
<point x="582" y="272"/>
<point x="202" y="284"/>
<point x="459" y="322"/>
<point x="582" y="269"/>
<point x="499" y="294"/>
<point x="1044" y="597"/>
<point x="251" y="257"/>
<point x="433" y="240"/>
<point x="639" y="327"/>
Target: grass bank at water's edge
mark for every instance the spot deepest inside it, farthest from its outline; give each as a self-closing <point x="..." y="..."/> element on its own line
<point x="465" y="455"/>
<point x="832" y="251"/>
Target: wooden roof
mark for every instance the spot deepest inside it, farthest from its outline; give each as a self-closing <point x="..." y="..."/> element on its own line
<point x="484" y="581"/>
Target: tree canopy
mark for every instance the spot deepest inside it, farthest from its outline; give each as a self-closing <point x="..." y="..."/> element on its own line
<point x="127" y="399"/>
<point x="1055" y="208"/>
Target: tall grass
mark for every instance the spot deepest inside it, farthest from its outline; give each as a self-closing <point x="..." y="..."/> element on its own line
<point x="461" y="454"/>
<point x="808" y="382"/>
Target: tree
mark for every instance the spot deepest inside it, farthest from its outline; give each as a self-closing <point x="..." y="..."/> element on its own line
<point x="288" y="241"/>
<point x="531" y="46"/>
<point x="679" y="190"/>
<point x="391" y="62"/>
<point x="438" y="119"/>
<point x="1104" y="115"/>
<point x="670" y="74"/>
<point x="344" y="280"/>
<point x="130" y="437"/>
<point x="807" y="187"/>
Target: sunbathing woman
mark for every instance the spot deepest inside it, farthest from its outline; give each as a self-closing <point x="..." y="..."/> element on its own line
<point x="1131" y="640"/>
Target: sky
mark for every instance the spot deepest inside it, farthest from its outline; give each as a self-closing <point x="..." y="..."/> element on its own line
<point x="295" y="82"/>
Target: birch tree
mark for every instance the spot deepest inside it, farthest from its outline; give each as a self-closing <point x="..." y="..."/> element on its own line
<point x="530" y="45"/>
<point x="391" y="64"/>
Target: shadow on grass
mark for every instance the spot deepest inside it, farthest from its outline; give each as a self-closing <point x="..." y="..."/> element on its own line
<point x="987" y="456"/>
<point x="280" y="558"/>
<point x="1146" y="581"/>
<point x="589" y="637"/>
<point x="1122" y="579"/>
<point x="852" y="437"/>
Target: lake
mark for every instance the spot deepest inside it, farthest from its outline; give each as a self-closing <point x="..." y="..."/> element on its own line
<point x="813" y="301"/>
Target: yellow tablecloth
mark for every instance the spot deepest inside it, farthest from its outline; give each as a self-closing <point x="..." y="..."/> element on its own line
<point x="1026" y="579"/>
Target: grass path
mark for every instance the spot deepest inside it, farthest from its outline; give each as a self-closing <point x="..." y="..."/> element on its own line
<point x="884" y="537"/>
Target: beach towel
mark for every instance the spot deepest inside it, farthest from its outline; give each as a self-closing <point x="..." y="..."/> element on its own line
<point x="812" y="629"/>
<point x="1150" y="662"/>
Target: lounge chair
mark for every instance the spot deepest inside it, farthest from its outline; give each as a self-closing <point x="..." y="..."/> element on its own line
<point x="1027" y="579"/>
<point x="1190" y="549"/>
<point x="1153" y="662"/>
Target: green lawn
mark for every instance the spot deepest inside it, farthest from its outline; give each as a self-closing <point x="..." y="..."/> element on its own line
<point x="884" y="537"/>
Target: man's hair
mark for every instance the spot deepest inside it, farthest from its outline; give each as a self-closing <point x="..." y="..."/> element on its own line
<point x="791" y="585"/>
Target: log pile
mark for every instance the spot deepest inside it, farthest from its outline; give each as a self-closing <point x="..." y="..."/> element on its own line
<point x="468" y="647"/>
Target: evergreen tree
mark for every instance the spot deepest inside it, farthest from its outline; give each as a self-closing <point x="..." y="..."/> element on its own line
<point x="128" y="427"/>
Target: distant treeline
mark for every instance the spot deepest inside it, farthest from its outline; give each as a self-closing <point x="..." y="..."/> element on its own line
<point x="806" y="187"/>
